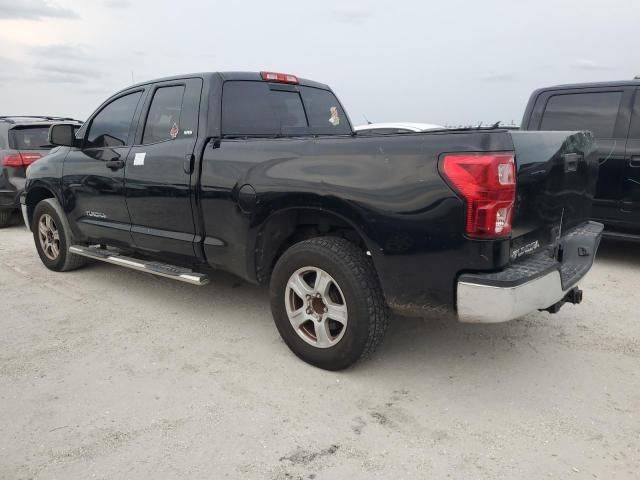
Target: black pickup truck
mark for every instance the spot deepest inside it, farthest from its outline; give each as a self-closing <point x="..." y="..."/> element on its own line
<point x="611" y="111"/>
<point x="261" y="175"/>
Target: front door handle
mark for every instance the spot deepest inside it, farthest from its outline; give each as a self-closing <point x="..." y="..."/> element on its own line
<point x="115" y="164"/>
<point x="634" y="161"/>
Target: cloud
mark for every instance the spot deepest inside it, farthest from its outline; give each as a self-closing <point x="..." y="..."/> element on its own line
<point x="96" y="91"/>
<point x="61" y="78"/>
<point x="351" y="15"/>
<point x="33" y="10"/>
<point x="117" y="3"/>
<point x="62" y="69"/>
<point x="6" y="78"/>
<point x="58" y="52"/>
<point x="591" y="65"/>
<point x="499" y="77"/>
<point x="65" y="73"/>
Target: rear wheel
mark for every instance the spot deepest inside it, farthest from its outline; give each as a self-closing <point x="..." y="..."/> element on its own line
<point x="52" y="236"/>
<point x="327" y="303"/>
<point x="5" y="218"/>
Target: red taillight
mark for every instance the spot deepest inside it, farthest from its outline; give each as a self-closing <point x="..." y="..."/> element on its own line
<point x="29" y="158"/>
<point x="20" y="159"/>
<point x="12" y="160"/>
<point x="279" y="77"/>
<point x="487" y="181"/>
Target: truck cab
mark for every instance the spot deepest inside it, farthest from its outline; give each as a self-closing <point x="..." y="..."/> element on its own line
<point x="611" y="111"/>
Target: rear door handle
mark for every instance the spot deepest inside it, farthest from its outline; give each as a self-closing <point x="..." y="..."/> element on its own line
<point x="189" y="159"/>
<point x="115" y="164"/>
<point x="634" y="161"/>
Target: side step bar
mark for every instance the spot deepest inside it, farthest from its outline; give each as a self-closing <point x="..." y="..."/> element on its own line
<point x="155" y="268"/>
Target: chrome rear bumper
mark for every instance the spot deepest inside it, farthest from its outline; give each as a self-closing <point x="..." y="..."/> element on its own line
<point x="535" y="283"/>
<point x="489" y="304"/>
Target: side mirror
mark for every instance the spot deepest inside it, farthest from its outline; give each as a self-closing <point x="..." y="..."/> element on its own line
<point x="63" y="135"/>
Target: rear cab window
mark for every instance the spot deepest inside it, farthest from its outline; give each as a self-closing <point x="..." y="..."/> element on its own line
<point x="29" y="138"/>
<point x="594" y="111"/>
<point x="256" y="108"/>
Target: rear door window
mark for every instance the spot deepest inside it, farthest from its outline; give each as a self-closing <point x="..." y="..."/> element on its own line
<point x="596" y="112"/>
<point x="29" y="138"/>
<point x="163" y="120"/>
<point x="111" y="126"/>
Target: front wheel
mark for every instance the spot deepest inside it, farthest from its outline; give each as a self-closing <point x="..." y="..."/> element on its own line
<point x="327" y="302"/>
<point x="52" y="236"/>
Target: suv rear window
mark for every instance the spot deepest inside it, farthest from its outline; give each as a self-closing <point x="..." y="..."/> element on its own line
<point x="263" y="109"/>
<point x="29" y="138"/>
<point x="596" y="112"/>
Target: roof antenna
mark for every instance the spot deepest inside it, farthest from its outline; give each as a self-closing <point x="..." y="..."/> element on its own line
<point x="366" y="119"/>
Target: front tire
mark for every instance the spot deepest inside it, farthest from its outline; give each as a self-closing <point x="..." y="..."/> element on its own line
<point x="52" y="236"/>
<point x="327" y="302"/>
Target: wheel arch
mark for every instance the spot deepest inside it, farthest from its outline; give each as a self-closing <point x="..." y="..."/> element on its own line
<point x="35" y="195"/>
<point x="290" y="225"/>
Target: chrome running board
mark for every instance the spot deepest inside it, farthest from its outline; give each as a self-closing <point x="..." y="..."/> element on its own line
<point x="156" y="268"/>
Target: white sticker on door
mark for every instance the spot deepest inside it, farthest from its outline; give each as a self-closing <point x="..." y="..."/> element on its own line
<point x="139" y="158"/>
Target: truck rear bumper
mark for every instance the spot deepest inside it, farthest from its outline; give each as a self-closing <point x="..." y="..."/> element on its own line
<point x="536" y="283"/>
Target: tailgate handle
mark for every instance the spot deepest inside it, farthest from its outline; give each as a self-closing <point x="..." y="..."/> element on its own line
<point x="571" y="161"/>
<point x="634" y="161"/>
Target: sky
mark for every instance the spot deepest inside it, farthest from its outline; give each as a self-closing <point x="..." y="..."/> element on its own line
<point x="447" y="62"/>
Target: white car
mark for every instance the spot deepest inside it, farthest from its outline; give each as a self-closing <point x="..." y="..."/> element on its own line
<point x="396" y="127"/>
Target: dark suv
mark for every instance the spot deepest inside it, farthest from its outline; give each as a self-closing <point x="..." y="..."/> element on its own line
<point x="611" y="111"/>
<point x="23" y="140"/>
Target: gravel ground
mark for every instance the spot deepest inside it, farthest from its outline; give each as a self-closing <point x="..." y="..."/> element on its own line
<point x="111" y="373"/>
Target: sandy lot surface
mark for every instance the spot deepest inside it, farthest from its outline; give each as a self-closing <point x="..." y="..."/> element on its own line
<point x="110" y="373"/>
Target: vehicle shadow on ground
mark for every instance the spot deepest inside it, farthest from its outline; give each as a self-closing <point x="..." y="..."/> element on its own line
<point x="409" y="341"/>
<point x="418" y="341"/>
<point x="619" y="252"/>
<point x="422" y="341"/>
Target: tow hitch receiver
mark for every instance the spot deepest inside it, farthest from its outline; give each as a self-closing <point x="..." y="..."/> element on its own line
<point x="573" y="296"/>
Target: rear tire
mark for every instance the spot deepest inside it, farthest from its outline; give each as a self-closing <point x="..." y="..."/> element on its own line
<point x="5" y="218"/>
<point x="52" y="236"/>
<point x="327" y="302"/>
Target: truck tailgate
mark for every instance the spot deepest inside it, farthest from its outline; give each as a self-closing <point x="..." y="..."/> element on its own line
<point x="556" y="179"/>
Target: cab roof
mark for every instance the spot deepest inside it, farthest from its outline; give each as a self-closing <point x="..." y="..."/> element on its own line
<point x="227" y="76"/>
<point x="575" y="86"/>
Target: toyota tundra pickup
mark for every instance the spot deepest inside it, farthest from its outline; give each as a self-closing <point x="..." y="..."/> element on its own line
<point x="262" y="175"/>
